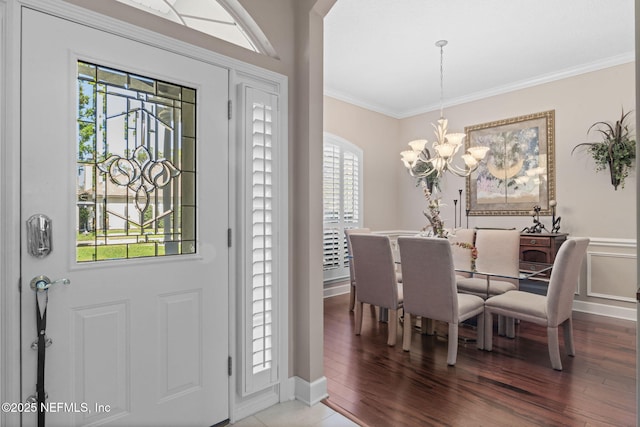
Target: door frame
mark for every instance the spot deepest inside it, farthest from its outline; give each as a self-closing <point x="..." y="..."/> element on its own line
<point x="10" y="224"/>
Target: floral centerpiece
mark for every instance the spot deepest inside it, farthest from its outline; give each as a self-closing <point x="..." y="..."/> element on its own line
<point x="437" y="225"/>
<point x="433" y="214"/>
<point x="474" y="252"/>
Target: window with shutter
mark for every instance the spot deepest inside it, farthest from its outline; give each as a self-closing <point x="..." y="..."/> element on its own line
<point x="342" y="202"/>
<point x="260" y="346"/>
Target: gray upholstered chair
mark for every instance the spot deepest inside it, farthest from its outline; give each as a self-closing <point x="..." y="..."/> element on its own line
<point x="352" y="276"/>
<point x="498" y="253"/>
<point x="551" y="310"/>
<point x="374" y="269"/>
<point x="429" y="286"/>
<point x="462" y="256"/>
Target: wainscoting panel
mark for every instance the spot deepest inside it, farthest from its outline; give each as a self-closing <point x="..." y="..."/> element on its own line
<point x="611" y="269"/>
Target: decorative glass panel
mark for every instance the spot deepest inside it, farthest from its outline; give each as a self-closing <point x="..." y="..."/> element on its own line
<point x="136" y="166"/>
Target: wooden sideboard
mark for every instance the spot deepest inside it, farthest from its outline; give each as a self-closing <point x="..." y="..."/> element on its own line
<point x="538" y="250"/>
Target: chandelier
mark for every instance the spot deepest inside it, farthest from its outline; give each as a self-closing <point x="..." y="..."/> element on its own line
<point x="419" y="161"/>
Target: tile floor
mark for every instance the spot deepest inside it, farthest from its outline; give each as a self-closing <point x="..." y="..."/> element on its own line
<point x="296" y="414"/>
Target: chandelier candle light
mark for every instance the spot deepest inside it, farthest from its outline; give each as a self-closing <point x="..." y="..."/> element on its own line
<point x="418" y="160"/>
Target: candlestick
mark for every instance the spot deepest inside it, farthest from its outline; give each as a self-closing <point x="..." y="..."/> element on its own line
<point x="555" y="222"/>
<point x="455" y="213"/>
<point x="460" y="193"/>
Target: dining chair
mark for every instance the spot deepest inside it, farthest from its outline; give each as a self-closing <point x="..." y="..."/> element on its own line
<point x="352" y="276"/>
<point x="374" y="269"/>
<point x="498" y="253"/>
<point x="429" y="287"/>
<point x="462" y="256"/>
<point x="552" y="310"/>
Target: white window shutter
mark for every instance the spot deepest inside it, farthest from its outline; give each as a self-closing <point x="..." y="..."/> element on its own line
<point x="260" y="318"/>
<point x="342" y="202"/>
<point x="331" y="183"/>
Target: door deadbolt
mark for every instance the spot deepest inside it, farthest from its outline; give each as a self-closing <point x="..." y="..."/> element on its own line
<point x="39" y="235"/>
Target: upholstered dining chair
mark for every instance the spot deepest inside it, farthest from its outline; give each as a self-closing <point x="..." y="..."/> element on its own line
<point x="462" y="256"/>
<point x="352" y="276"/>
<point x="552" y="310"/>
<point x="498" y="253"/>
<point x="374" y="268"/>
<point x="429" y="286"/>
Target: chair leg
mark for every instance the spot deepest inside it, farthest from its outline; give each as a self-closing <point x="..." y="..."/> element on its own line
<point x="358" y="317"/>
<point x="352" y="298"/>
<point x="427" y="326"/>
<point x="567" y="328"/>
<point x="488" y="330"/>
<point x="393" y="327"/>
<point x="501" y="325"/>
<point x="511" y="327"/>
<point x="406" y="332"/>
<point x="554" y="348"/>
<point x="480" y="331"/>
<point x="452" y="351"/>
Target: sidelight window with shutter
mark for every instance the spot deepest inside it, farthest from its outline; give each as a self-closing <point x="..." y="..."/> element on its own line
<point x="342" y="202"/>
<point x="261" y="273"/>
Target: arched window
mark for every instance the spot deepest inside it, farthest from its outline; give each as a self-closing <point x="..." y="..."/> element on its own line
<point x="342" y="202"/>
<point x="224" y="19"/>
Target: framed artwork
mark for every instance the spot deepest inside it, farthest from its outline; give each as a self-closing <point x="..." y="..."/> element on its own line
<point x="518" y="171"/>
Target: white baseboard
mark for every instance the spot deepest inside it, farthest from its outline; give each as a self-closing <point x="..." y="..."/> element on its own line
<point x="310" y="393"/>
<point x="605" y="310"/>
<point x="332" y="291"/>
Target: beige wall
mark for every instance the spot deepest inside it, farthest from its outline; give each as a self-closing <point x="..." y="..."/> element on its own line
<point x="376" y="135"/>
<point x="587" y="202"/>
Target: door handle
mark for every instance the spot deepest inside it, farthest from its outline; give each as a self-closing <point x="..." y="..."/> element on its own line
<point x="42" y="283"/>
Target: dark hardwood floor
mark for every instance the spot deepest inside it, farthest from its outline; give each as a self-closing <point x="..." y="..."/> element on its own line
<point x="512" y="386"/>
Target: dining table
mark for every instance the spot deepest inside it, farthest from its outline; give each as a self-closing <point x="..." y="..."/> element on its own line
<point x="522" y="275"/>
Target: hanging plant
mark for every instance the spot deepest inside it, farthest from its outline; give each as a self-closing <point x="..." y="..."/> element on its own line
<point x="616" y="151"/>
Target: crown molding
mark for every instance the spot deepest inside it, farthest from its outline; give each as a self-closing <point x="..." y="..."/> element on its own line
<point x="499" y="90"/>
<point x="348" y="98"/>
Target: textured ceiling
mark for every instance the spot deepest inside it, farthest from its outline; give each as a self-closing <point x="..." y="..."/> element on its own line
<point x="381" y="54"/>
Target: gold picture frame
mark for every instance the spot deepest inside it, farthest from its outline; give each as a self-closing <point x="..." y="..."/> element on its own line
<point x="518" y="172"/>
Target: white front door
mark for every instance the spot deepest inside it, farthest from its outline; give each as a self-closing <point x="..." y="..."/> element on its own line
<point x="136" y="187"/>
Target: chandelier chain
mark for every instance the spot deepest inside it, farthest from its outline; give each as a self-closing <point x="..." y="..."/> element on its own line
<point x="441" y="82"/>
<point x="419" y="161"/>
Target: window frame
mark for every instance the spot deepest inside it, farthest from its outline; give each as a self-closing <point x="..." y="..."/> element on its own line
<point x="251" y="383"/>
<point x="341" y="273"/>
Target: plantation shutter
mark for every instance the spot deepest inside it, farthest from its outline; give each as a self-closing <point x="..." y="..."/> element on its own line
<point x="351" y="190"/>
<point x="342" y="203"/>
<point x="260" y="342"/>
<point x="331" y="250"/>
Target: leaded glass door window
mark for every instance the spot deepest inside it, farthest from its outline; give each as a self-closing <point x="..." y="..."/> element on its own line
<point x="136" y="166"/>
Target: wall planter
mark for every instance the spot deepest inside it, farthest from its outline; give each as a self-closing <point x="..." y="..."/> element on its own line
<point x="617" y="150"/>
